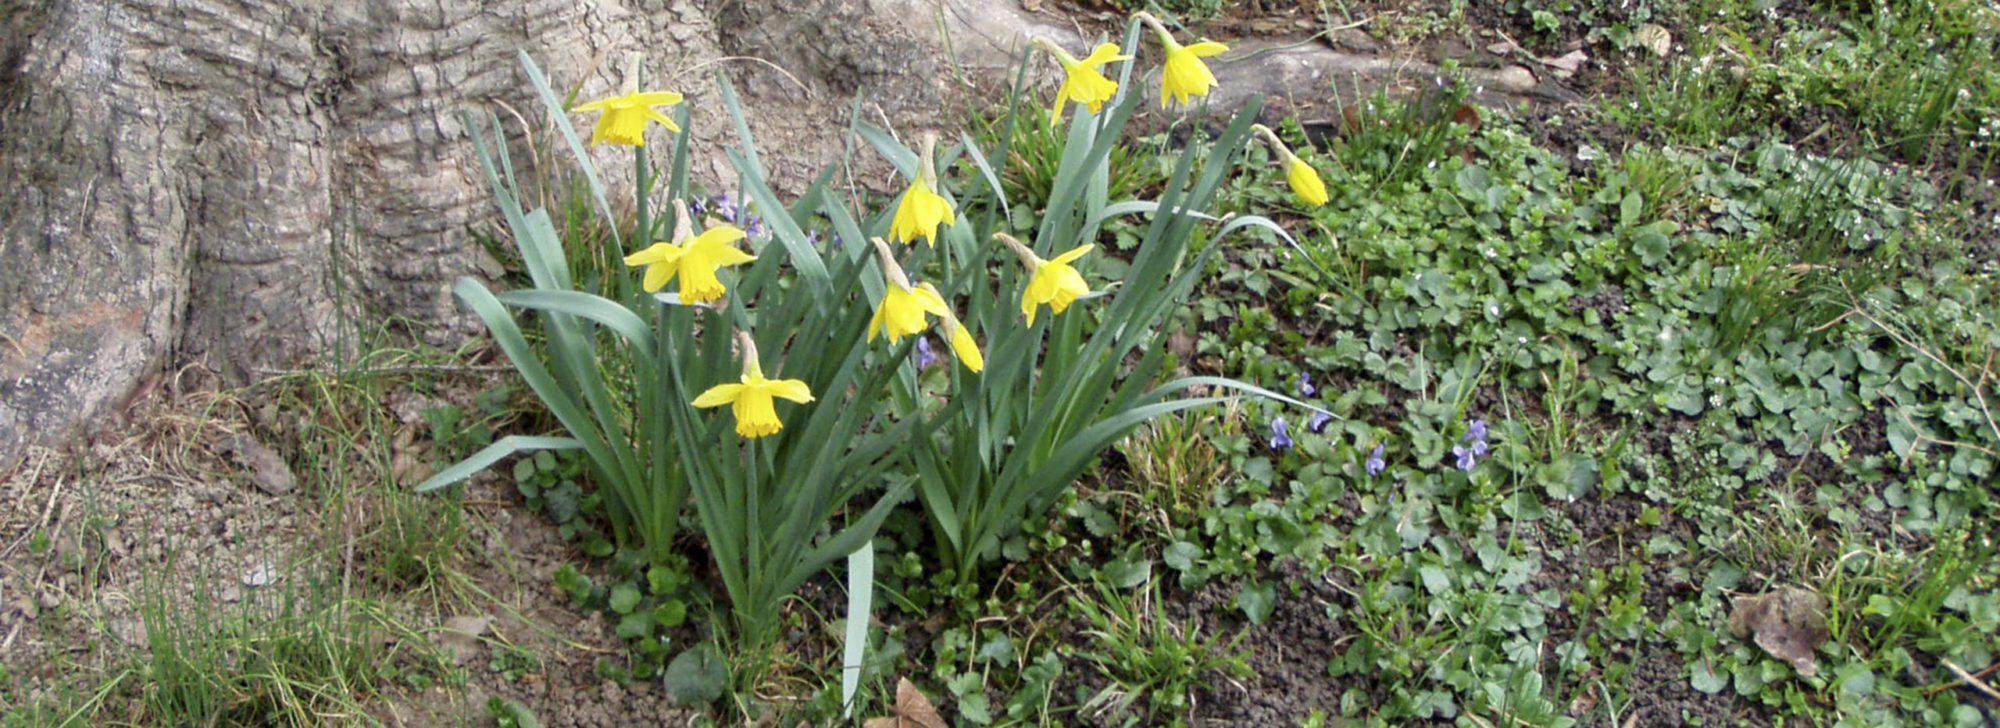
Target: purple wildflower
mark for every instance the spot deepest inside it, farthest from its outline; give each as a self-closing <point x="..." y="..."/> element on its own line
<point x="1375" y="463"/>
<point x="1317" y="424"/>
<point x="812" y="238"/>
<point x="925" y="357"/>
<point x="1475" y="433"/>
<point x="724" y="208"/>
<point x="1306" y="388"/>
<point x="697" y="206"/>
<point x="1281" y="438"/>
<point x="1465" y="457"/>
<point x="754" y="225"/>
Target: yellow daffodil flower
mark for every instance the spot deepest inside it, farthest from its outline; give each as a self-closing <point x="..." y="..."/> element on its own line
<point x="901" y="312"/>
<point x="751" y="399"/>
<point x="922" y="209"/>
<point x="1302" y="177"/>
<point x="1184" y="75"/>
<point x="1305" y="182"/>
<point x="624" y="118"/>
<point x="1082" y="82"/>
<point x="694" y="259"/>
<point x="1053" y="282"/>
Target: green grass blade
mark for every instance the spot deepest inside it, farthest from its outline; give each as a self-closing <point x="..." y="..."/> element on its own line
<point x="560" y="113"/>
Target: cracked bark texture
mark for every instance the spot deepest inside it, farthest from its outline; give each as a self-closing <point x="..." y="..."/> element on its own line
<point x="239" y="183"/>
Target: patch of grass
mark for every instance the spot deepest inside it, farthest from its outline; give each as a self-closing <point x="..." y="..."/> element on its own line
<point x="291" y="655"/>
<point x="1153" y="664"/>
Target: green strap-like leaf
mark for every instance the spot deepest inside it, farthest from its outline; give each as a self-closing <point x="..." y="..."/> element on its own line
<point x="494" y="453"/>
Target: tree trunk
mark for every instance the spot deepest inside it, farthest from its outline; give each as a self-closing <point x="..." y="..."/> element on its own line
<point x="239" y="184"/>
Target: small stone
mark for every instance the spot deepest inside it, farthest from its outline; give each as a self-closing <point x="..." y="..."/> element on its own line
<point x="460" y="635"/>
<point x="259" y="575"/>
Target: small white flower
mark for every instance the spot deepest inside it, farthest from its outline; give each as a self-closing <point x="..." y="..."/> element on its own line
<point x="1493" y="310"/>
<point x="1715" y="400"/>
<point x="1521" y="339"/>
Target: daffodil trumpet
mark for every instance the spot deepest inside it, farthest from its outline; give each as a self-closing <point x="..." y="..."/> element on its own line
<point x="922" y="209"/>
<point x="901" y="311"/>
<point x="751" y="398"/>
<point x="1304" y="180"/>
<point x="693" y="259"/>
<point x="1183" y="76"/>
<point x="1054" y="281"/>
<point x="1082" y="81"/>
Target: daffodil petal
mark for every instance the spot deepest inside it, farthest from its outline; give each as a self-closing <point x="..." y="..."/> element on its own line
<point x="966" y="349"/>
<point x="1072" y="254"/>
<point x="657" y="276"/>
<point x="1207" y="48"/>
<point x="653" y="98"/>
<point x="719" y="395"/>
<point x="655" y="253"/>
<point x="792" y="389"/>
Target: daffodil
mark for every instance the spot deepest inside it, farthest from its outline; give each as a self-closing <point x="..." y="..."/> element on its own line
<point x="1053" y="282"/>
<point x="1302" y="177"/>
<point x="751" y="398"/>
<point x="693" y="258"/>
<point x="901" y="311"/>
<point x="922" y="209"/>
<point x="1184" y="75"/>
<point x="624" y="118"/>
<point x="1082" y="82"/>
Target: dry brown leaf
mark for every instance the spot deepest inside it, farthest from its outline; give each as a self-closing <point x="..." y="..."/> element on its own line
<point x="912" y="710"/>
<point x="1788" y="623"/>
<point x="1656" y="39"/>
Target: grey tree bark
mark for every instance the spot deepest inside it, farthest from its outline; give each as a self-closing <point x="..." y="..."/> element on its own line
<point x="237" y="183"/>
<point x="242" y="184"/>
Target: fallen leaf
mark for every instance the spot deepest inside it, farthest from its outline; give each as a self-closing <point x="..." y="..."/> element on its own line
<point x="1788" y="623"/>
<point x="1656" y="39"/>
<point x="912" y="710"/>
<point x="1567" y="64"/>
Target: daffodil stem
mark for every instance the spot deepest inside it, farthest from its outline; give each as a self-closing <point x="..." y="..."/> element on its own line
<point x="1154" y="23"/>
<point x="1277" y="144"/>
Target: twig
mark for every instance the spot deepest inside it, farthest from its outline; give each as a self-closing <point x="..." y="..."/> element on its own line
<point x="394" y="369"/>
<point x="47" y="510"/>
<point x="781" y="69"/>
<point x="1978" y="395"/>
<point x="1969" y="678"/>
